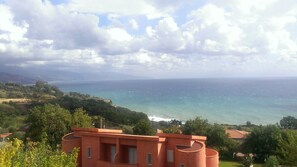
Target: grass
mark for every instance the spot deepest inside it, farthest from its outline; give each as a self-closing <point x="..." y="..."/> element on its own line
<point x="234" y="164"/>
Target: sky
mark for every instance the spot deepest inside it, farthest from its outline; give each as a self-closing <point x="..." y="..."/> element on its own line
<point x="151" y="38"/>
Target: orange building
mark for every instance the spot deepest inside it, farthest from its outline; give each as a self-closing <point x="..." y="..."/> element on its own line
<point x="112" y="148"/>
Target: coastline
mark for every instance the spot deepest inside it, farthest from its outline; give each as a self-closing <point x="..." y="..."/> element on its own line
<point x="231" y="101"/>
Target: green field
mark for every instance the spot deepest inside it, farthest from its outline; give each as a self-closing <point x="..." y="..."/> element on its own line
<point x="234" y="164"/>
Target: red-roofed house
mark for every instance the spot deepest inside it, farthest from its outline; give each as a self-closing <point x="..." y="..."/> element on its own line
<point x="4" y="135"/>
<point x="236" y="134"/>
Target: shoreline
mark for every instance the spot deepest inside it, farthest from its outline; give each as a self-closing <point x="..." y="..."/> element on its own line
<point x="220" y="101"/>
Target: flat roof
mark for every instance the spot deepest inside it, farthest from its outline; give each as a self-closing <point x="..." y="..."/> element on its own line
<point x="111" y="133"/>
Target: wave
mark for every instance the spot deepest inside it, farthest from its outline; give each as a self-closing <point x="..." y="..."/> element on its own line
<point x="158" y="119"/>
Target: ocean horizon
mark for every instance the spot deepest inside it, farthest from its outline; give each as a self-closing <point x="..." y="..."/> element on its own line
<point x="219" y="100"/>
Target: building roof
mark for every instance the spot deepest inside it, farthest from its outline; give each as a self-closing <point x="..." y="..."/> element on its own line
<point x="110" y="133"/>
<point x="236" y="134"/>
<point x="3" y="135"/>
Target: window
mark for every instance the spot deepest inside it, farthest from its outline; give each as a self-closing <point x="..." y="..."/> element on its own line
<point x="169" y="155"/>
<point x="149" y="159"/>
<point x="132" y="155"/>
<point x="112" y="153"/>
<point x="182" y="165"/>
<point x="88" y="152"/>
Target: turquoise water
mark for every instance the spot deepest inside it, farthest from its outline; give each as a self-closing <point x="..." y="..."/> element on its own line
<point x="231" y="101"/>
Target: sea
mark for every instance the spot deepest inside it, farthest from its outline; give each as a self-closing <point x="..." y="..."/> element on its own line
<point x="221" y="100"/>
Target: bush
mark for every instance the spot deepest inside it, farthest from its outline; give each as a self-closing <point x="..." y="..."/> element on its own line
<point x="17" y="154"/>
<point x="272" y="162"/>
<point x="247" y="161"/>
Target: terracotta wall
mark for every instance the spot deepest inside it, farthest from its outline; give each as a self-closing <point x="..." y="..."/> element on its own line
<point x="212" y="158"/>
<point x="68" y="145"/>
<point x="144" y="148"/>
<point x="162" y="153"/>
<point x="93" y="144"/>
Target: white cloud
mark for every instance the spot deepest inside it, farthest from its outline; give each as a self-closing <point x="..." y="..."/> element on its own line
<point x="119" y="34"/>
<point x="216" y="36"/>
<point x="164" y="37"/>
<point x="27" y="39"/>
<point x="149" y="62"/>
<point x="66" y="29"/>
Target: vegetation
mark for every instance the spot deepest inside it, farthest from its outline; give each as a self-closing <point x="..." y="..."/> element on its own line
<point x="263" y="142"/>
<point x="99" y="107"/>
<point x="270" y="141"/>
<point x="80" y="118"/>
<point x="172" y="126"/>
<point x="287" y="148"/>
<point x="50" y="120"/>
<point x="143" y="127"/>
<point x="288" y="122"/>
<point x="235" y="164"/>
<point x="16" y="154"/>
<point x="85" y="110"/>
<point x="247" y="161"/>
<point x="271" y="162"/>
<point x="40" y="91"/>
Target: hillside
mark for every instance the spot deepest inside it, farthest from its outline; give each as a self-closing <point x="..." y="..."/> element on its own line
<point x="13" y="78"/>
<point x="14" y="108"/>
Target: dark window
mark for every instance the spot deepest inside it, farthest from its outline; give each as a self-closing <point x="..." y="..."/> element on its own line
<point x="169" y="155"/>
<point x="112" y="153"/>
<point x="132" y="155"/>
<point x="149" y="159"/>
<point x="88" y="152"/>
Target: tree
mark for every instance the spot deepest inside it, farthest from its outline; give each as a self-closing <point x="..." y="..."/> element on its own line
<point x="143" y="127"/>
<point x="50" y="119"/>
<point x="287" y="149"/>
<point x="197" y="126"/>
<point x="216" y="136"/>
<point x="262" y="141"/>
<point x="175" y="122"/>
<point x="288" y="122"/>
<point x="81" y="119"/>
<point x="174" y="129"/>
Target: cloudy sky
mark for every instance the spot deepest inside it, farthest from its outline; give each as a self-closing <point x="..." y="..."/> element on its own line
<point x="151" y="38"/>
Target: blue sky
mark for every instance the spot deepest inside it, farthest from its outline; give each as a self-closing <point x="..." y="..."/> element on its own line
<point x="151" y="38"/>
